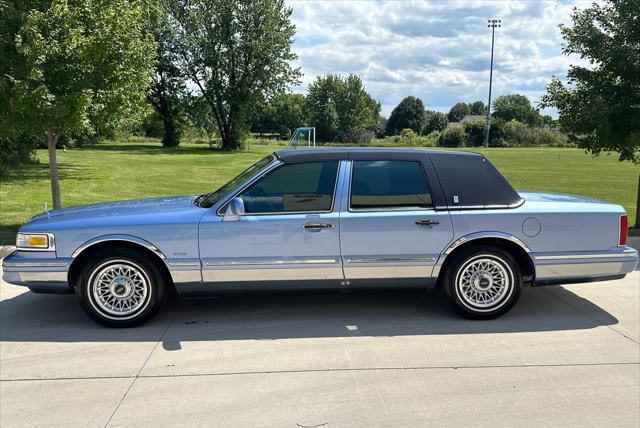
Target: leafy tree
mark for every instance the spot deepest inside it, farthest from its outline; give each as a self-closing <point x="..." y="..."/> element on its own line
<point x="85" y="65"/>
<point x="477" y="107"/>
<point x="282" y="114"/>
<point x="336" y="106"/>
<point x="168" y="88"/>
<point x="237" y="52"/>
<point x="382" y="125"/>
<point x="409" y="114"/>
<point x="356" y="108"/>
<point x="458" y="111"/>
<point x="434" y="121"/>
<point x="16" y="145"/>
<point x="201" y="117"/>
<point x="516" y="107"/>
<point x="321" y="106"/>
<point x="264" y="119"/>
<point x="600" y="106"/>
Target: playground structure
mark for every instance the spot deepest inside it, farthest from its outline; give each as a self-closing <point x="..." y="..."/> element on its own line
<point x="303" y="136"/>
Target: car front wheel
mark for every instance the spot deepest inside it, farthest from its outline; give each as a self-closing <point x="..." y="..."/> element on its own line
<point x="483" y="282"/>
<point x="121" y="288"/>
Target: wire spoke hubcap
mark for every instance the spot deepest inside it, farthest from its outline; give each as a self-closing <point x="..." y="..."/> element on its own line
<point x="483" y="283"/>
<point x="120" y="289"/>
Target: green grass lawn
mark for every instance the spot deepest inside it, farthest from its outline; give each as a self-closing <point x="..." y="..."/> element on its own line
<point x="111" y="171"/>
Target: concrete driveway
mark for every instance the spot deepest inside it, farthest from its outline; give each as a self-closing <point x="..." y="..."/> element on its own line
<point x="565" y="356"/>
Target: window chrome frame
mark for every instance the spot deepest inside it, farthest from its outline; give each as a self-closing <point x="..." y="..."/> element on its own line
<point x="391" y="208"/>
<point x="270" y="168"/>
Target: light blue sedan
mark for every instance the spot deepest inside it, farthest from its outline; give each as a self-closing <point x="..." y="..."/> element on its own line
<point x="326" y="219"/>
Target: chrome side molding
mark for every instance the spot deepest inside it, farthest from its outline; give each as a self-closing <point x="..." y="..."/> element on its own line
<point x="480" y="235"/>
<point x="270" y="262"/>
<point x="127" y="238"/>
<point x="392" y="260"/>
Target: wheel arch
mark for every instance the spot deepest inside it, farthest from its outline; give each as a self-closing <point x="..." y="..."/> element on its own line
<point x="518" y="249"/>
<point x="95" y="245"/>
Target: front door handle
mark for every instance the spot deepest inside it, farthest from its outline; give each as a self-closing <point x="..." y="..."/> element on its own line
<point x="427" y="222"/>
<point x="318" y="226"/>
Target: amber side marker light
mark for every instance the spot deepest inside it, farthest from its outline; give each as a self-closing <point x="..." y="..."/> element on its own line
<point x="34" y="241"/>
<point x="624" y="224"/>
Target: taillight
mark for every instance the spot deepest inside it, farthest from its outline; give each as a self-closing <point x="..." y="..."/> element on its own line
<point x="624" y="224"/>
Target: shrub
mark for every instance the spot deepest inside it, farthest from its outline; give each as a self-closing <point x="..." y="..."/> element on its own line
<point x="356" y="137"/>
<point x="475" y="133"/>
<point x="16" y="152"/>
<point x="517" y="134"/>
<point x="408" y="137"/>
<point x="452" y="137"/>
<point x="152" y="126"/>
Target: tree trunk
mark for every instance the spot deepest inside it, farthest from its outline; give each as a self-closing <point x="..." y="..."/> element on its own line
<point x="171" y="137"/>
<point x="637" y="225"/>
<point x="52" y="140"/>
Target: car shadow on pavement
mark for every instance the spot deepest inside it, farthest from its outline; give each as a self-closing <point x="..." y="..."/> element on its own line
<point x="31" y="317"/>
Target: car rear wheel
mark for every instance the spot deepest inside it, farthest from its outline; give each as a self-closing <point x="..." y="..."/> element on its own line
<point x="482" y="282"/>
<point x="121" y="288"/>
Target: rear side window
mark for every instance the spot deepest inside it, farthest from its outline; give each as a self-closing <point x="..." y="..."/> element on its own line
<point x="299" y="187"/>
<point x="389" y="184"/>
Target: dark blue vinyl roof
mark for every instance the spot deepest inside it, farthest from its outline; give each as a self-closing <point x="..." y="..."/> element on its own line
<point x="343" y="153"/>
<point x="468" y="180"/>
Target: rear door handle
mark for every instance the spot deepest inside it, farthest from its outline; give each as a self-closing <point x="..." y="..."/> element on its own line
<point x="427" y="222"/>
<point x="318" y="226"/>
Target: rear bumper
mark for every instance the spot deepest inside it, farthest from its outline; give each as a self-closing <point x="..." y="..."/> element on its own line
<point x="570" y="267"/>
<point x="42" y="272"/>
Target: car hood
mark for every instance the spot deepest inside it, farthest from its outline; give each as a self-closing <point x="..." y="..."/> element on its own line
<point x="118" y="208"/>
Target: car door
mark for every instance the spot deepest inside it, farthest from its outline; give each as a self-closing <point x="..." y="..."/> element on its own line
<point x="288" y="233"/>
<point x="390" y="230"/>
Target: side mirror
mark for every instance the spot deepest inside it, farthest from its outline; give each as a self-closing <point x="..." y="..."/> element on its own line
<point x="234" y="211"/>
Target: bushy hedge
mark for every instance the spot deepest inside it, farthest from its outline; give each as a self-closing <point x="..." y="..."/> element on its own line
<point x="503" y="134"/>
<point x="452" y="137"/>
<point x="356" y="137"/>
<point x="16" y="152"/>
<point x="407" y="138"/>
<point x="475" y="133"/>
<point x="517" y="134"/>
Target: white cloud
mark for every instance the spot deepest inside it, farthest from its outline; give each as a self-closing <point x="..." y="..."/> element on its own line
<point x="438" y="51"/>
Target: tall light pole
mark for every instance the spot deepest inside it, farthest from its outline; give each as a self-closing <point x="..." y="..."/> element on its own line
<point x="493" y="23"/>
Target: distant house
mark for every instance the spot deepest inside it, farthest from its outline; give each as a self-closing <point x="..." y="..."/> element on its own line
<point x="467" y="118"/>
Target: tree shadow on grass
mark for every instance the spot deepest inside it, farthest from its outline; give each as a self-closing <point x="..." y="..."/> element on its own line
<point x="148" y="149"/>
<point x="40" y="171"/>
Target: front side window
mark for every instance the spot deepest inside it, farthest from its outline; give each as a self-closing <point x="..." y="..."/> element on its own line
<point x="210" y="199"/>
<point x="301" y="187"/>
<point x="389" y="184"/>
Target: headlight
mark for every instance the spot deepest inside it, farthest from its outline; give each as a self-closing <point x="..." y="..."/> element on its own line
<point x="35" y="241"/>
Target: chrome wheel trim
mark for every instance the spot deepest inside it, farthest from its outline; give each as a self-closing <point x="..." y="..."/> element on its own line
<point x="119" y="289"/>
<point x="484" y="283"/>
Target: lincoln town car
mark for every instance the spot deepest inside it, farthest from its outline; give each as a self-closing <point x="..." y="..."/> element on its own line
<point x="312" y="219"/>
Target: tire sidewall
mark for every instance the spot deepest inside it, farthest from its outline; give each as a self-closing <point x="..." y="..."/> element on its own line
<point x="450" y="286"/>
<point x="156" y="292"/>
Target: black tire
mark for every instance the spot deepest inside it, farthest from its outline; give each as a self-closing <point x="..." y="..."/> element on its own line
<point x="487" y="292"/>
<point x="121" y="277"/>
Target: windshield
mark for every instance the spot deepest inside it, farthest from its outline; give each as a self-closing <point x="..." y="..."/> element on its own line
<point x="208" y="200"/>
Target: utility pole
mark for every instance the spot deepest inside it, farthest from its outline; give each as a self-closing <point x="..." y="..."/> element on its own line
<point x="493" y="23"/>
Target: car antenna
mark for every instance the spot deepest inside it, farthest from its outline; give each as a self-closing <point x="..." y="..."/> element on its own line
<point x="46" y="210"/>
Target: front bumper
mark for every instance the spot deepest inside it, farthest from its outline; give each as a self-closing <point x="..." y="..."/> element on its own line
<point x="566" y="267"/>
<point x="42" y="271"/>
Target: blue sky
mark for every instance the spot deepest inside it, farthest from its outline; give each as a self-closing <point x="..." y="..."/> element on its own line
<point x="436" y="50"/>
